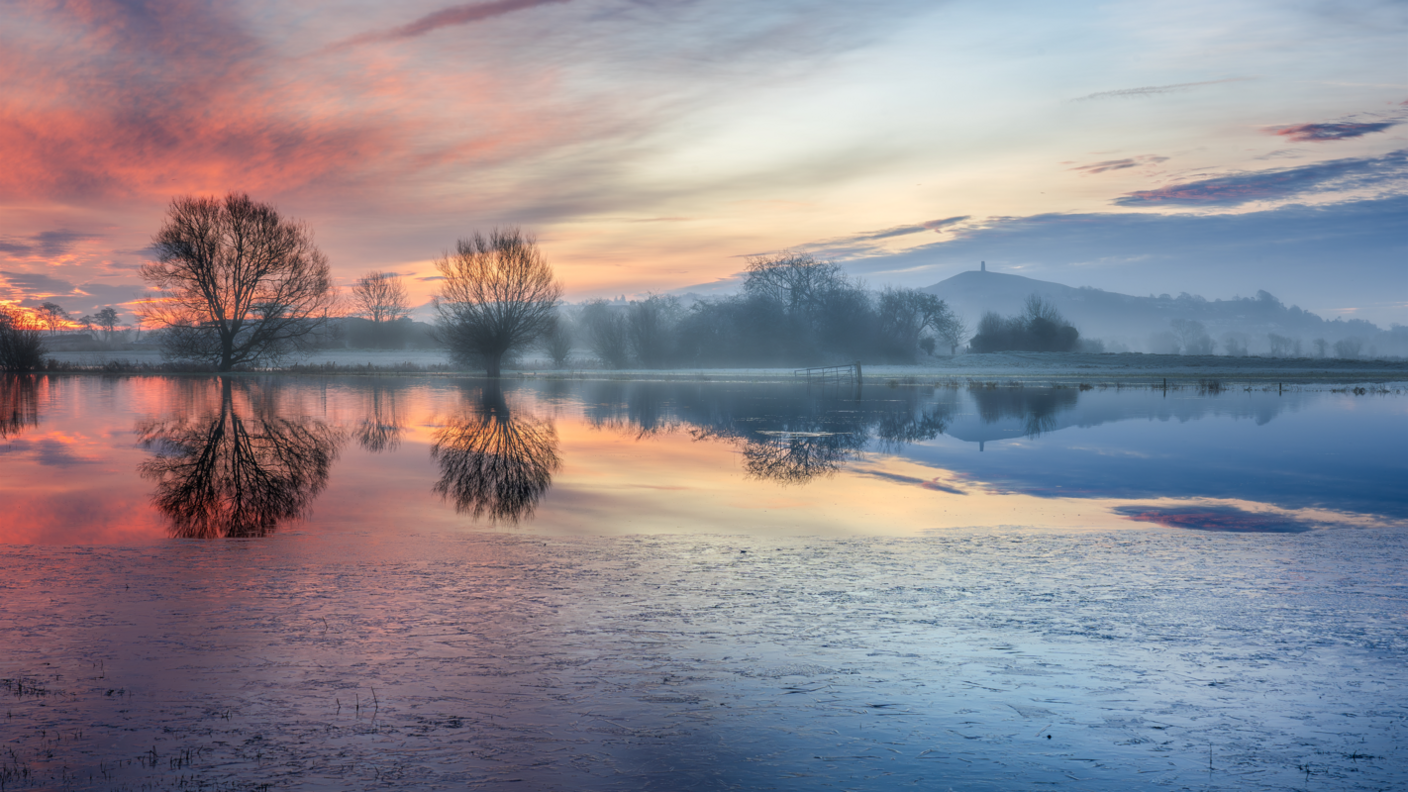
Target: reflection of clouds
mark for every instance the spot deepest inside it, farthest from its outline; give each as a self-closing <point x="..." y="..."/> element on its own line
<point x="1223" y="519"/>
<point x="50" y="451"/>
<point x="496" y="463"/>
<point x="236" y="469"/>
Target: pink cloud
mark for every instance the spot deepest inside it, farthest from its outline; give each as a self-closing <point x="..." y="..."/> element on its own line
<point x="447" y="17"/>
<point x="1319" y="133"/>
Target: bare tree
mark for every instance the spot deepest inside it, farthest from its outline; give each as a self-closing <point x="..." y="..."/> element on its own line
<point x="1349" y="348"/>
<point x="557" y="342"/>
<point x="651" y="326"/>
<point x="107" y="319"/>
<point x="1193" y="338"/>
<point x="54" y="316"/>
<point x="239" y="283"/>
<point x="609" y="332"/>
<point x="381" y="297"/>
<point x="952" y="331"/>
<point x="498" y="294"/>
<point x="906" y="313"/>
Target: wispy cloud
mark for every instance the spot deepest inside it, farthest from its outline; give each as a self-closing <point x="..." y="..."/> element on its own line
<point x="1274" y="184"/>
<point x="45" y="244"/>
<point x="1154" y="90"/>
<point x="446" y="17"/>
<point x="904" y="230"/>
<point x="1119" y="164"/>
<point x="1345" y="130"/>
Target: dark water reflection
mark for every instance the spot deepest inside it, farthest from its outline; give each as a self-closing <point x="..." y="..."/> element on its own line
<point x="496" y="462"/>
<point x="19" y="403"/>
<point x="236" y="467"/>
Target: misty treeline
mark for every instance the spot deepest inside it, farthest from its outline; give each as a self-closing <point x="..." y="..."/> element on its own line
<point x="793" y="309"/>
<point x="1038" y="328"/>
<point x="1191" y="337"/>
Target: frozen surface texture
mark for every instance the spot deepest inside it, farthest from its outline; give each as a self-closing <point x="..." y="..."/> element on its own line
<point x="1150" y="658"/>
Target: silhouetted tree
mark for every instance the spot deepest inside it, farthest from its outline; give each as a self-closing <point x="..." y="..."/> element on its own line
<point x="21" y="341"/>
<point x="498" y="294"/>
<point x="239" y="284"/>
<point x="107" y="319"/>
<point x="905" y="314"/>
<point x="381" y="297"/>
<point x="54" y="316"/>
<point x="1039" y="328"/>
<point x="495" y="464"/>
<point x="237" y="470"/>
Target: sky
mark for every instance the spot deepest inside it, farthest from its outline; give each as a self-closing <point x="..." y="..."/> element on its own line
<point x="1216" y="148"/>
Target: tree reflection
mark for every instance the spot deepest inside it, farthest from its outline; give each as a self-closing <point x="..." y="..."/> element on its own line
<point x="19" y="403"/>
<point x="496" y="464"/>
<point x="381" y="429"/>
<point x="1037" y="409"/>
<point x="236" y="470"/>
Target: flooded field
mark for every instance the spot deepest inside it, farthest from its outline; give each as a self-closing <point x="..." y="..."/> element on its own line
<point x="324" y="583"/>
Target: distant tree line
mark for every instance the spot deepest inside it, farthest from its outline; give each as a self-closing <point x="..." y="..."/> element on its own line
<point x="793" y="310"/>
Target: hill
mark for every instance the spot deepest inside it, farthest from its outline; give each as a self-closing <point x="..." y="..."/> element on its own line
<point x="1126" y="322"/>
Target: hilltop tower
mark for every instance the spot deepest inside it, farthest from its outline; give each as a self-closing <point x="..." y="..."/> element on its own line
<point x="983" y="266"/>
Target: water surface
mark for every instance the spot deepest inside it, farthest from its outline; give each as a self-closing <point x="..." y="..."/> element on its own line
<point x="440" y="583"/>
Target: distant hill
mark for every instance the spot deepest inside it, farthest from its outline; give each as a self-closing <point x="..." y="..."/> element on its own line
<point x="1141" y="324"/>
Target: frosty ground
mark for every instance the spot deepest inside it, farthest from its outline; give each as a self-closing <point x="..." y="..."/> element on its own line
<point x="968" y="659"/>
<point x="1032" y="366"/>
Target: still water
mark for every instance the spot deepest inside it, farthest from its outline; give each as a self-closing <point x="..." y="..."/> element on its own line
<point x="443" y="583"/>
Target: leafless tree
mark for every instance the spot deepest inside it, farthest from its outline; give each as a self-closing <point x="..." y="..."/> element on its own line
<point x="107" y="319"/>
<point x="557" y="342"/>
<point x="1349" y="348"/>
<point x="1193" y="338"/>
<point x="54" y="316"/>
<point x="239" y="283"/>
<point x="609" y="332"/>
<point x="381" y="297"/>
<point x="906" y="313"/>
<point x="498" y="294"/>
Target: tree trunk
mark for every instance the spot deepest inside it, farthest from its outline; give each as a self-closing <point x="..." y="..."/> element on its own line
<point x="492" y="365"/>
